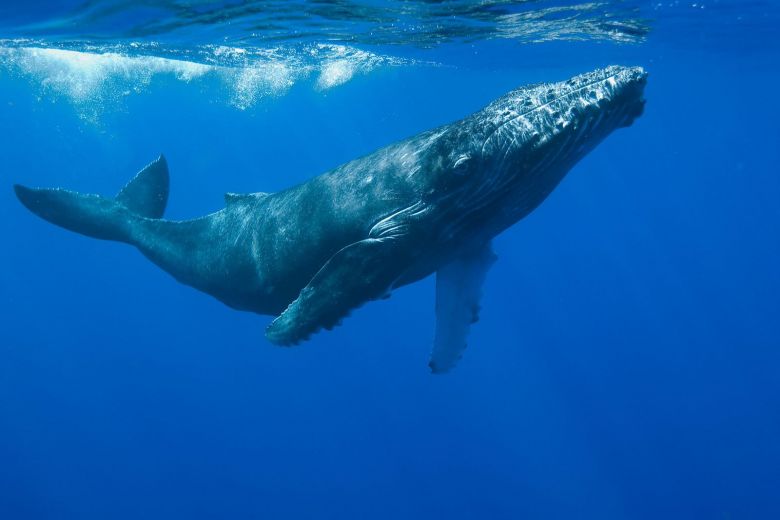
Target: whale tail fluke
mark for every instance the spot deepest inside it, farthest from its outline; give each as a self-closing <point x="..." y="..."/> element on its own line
<point x="146" y="195"/>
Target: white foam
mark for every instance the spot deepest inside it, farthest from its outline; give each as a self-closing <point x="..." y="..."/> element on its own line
<point x="91" y="80"/>
<point x="336" y="72"/>
<point x="94" y="80"/>
<point x="250" y="84"/>
<point x="342" y="63"/>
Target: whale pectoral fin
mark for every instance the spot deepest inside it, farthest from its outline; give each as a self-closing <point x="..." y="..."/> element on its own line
<point x="458" y="291"/>
<point x="358" y="273"/>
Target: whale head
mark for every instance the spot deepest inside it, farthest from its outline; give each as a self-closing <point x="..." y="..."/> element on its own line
<point x="517" y="149"/>
<point x="560" y="122"/>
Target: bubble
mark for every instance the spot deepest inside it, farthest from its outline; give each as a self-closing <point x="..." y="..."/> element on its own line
<point x="95" y="79"/>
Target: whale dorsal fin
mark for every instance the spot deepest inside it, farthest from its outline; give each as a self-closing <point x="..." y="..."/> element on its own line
<point x="232" y="198"/>
<point x="458" y="291"/>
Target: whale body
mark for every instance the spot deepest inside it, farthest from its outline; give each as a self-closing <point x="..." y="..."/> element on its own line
<point x="429" y="204"/>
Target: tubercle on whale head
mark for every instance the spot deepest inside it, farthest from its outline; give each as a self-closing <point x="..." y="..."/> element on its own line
<point x="576" y="113"/>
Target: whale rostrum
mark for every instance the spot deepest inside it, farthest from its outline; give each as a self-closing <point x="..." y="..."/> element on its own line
<point x="429" y="204"/>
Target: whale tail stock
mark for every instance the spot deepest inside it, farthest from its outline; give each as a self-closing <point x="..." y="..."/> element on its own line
<point x="146" y="195"/>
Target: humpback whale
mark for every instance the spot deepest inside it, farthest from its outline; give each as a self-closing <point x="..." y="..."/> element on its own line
<point x="429" y="204"/>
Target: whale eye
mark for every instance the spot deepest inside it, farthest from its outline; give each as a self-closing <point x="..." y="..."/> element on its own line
<point x="461" y="163"/>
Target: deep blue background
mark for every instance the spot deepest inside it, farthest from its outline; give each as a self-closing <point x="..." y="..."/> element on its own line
<point x="626" y="364"/>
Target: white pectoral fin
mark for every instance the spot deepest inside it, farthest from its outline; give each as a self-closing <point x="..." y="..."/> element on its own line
<point x="458" y="291"/>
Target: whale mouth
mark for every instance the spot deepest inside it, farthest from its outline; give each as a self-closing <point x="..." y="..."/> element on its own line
<point x="630" y="89"/>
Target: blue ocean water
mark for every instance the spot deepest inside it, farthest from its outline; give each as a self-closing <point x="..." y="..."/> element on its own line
<point x="626" y="362"/>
